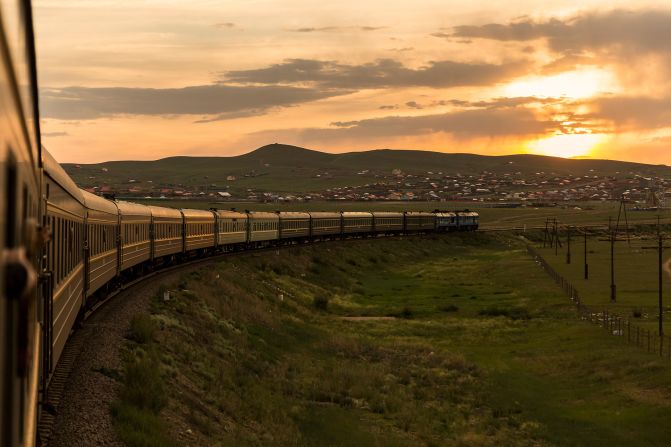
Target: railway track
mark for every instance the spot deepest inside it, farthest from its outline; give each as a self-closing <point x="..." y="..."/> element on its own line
<point x="76" y="343"/>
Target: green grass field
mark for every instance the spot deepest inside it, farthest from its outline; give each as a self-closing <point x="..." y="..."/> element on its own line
<point x="457" y="339"/>
<point x="636" y="275"/>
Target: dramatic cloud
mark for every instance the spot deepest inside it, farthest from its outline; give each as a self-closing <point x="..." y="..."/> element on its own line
<point x="632" y="113"/>
<point x="223" y="100"/>
<point x="641" y="31"/>
<point x="464" y="124"/>
<point x="383" y="73"/>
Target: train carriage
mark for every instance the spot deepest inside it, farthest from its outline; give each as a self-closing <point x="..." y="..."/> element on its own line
<point x="65" y="217"/>
<point x="325" y="223"/>
<point x="446" y="221"/>
<point x="388" y="222"/>
<point x="135" y="223"/>
<point x="294" y="225"/>
<point x="198" y="229"/>
<point x="468" y="220"/>
<point x="101" y="248"/>
<point x="232" y="228"/>
<point x="357" y="222"/>
<point x="166" y="232"/>
<point x="263" y="226"/>
<point x="419" y="221"/>
<point x="21" y="211"/>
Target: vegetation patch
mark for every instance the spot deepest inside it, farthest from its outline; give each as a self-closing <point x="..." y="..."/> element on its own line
<point x="236" y="362"/>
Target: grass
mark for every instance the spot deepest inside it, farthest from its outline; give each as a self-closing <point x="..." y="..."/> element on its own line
<point x="636" y="275"/>
<point x="483" y="350"/>
<point x="143" y="394"/>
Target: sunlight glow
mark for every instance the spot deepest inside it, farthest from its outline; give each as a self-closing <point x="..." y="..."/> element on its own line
<point x="574" y="84"/>
<point x="566" y="145"/>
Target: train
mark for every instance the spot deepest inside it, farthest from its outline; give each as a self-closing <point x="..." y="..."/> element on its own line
<point x="64" y="249"/>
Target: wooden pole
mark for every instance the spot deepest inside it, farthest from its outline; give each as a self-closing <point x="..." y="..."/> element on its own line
<point x="568" y="245"/>
<point x="613" y="287"/>
<point x="586" y="265"/>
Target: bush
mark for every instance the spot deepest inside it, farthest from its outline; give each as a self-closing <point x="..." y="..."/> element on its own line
<point x="320" y="302"/>
<point x="143" y="385"/>
<point x="407" y="313"/>
<point x="448" y="308"/>
<point x="515" y="313"/>
<point x="142" y="329"/>
<point x="637" y="312"/>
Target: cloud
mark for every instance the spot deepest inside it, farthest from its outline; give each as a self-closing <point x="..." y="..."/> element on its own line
<point x="639" y="31"/>
<point x="225" y="25"/>
<point x="414" y="105"/>
<point x="225" y="101"/>
<point x="382" y="73"/>
<point x="54" y="134"/>
<point x="632" y="112"/>
<point x="328" y="29"/>
<point x="464" y="124"/>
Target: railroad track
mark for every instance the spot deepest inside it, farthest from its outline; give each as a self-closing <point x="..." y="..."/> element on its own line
<point x="77" y="339"/>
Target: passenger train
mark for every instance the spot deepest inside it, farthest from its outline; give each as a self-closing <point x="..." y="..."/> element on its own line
<point x="63" y="248"/>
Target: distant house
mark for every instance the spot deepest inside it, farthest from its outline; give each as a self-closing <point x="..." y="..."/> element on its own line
<point x="224" y="194"/>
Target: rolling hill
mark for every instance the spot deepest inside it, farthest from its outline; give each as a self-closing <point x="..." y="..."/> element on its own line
<point x="284" y="168"/>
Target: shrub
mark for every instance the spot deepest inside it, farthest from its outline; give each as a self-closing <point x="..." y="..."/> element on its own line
<point x="142" y="329"/>
<point x="143" y="385"/>
<point x="637" y="312"/>
<point x="407" y="312"/>
<point x="515" y="313"/>
<point x="320" y="302"/>
<point x="448" y="308"/>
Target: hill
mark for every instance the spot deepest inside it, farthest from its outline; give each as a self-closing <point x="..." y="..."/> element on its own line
<point x="284" y="168"/>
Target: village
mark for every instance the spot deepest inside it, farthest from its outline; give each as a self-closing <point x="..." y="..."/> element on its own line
<point x="498" y="189"/>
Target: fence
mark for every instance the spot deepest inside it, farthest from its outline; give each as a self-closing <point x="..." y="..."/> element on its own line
<point x="615" y="324"/>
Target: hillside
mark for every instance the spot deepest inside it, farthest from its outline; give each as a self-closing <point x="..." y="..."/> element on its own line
<point x="284" y="168"/>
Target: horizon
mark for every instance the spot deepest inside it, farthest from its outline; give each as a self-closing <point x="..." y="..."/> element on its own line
<point x="571" y="79"/>
<point x="578" y="158"/>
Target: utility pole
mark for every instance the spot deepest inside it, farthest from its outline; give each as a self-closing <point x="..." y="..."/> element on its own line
<point x="568" y="245"/>
<point x="586" y="265"/>
<point x="613" y="287"/>
<point x="660" y="250"/>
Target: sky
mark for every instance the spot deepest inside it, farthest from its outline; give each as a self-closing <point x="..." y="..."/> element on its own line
<point x="147" y="79"/>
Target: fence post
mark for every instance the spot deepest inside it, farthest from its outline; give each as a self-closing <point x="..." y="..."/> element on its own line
<point x="638" y="332"/>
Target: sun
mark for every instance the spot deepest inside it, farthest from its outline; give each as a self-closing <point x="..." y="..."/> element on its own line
<point x="573" y="84"/>
<point x="566" y="145"/>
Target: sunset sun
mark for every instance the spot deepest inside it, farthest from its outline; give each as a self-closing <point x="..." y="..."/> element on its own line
<point x="566" y="145"/>
<point x="576" y="84"/>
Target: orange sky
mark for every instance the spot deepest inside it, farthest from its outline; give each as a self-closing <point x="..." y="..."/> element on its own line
<point x="129" y="79"/>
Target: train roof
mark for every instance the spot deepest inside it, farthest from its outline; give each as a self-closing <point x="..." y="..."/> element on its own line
<point x="357" y="214"/>
<point x="324" y="215"/>
<point x="197" y="213"/>
<point x="294" y="215"/>
<point x="387" y="214"/>
<point x="159" y="211"/>
<point x="418" y="213"/>
<point x="467" y="213"/>
<point x="230" y="214"/>
<point x="446" y="214"/>
<point x="54" y="170"/>
<point x="263" y="215"/>
<point x="97" y="203"/>
<point x="133" y="209"/>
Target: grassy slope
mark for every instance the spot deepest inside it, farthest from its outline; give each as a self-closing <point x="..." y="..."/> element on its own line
<point x="247" y="364"/>
<point x="283" y="168"/>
